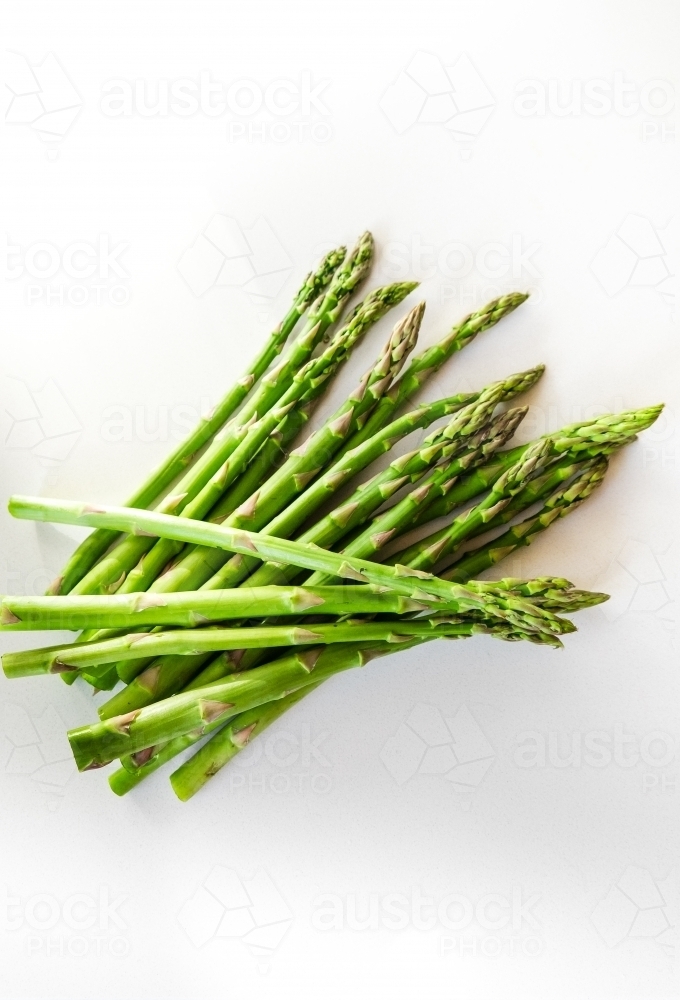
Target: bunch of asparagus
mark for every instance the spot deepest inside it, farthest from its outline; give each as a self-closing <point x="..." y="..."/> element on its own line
<point x="220" y="594"/>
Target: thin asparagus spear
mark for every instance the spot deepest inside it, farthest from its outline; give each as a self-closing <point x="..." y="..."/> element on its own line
<point x="559" y="504"/>
<point x="426" y="364"/>
<point x="403" y="580"/>
<point x="59" y="659"/>
<point x="197" y="608"/>
<point x="110" y="572"/>
<point x="94" y="546"/>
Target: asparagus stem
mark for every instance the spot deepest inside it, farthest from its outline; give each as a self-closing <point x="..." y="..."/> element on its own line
<point x="94" y="546"/>
<point x="403" y="580"/>
<point x="229" y="741"/>
<point x="189" y="610"/>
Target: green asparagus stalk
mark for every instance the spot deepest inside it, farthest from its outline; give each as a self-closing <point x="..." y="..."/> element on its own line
<point x="98" y="744"/>
<point x="426" y="364"/>
<point x="232" y="739"/>
<point x="197" y="608"/>
<point x="559" y="504"/>
<point x="60" y="659"/>
<point x="94" y="546"/>
<point x="535" y="459"/>
<point x="403" y="580"/>
<point x="109" y="573"/>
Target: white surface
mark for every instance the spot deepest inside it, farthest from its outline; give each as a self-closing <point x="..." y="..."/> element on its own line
<point x="425" y="159"/>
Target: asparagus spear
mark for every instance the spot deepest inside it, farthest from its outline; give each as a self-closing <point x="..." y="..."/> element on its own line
<point x="403" y="580"/>
<point x="197" y="608"/>
<point x="98" y="744"/>
<point x="60" y="659"/>
<point x="559" y="504"/>
<point x="426" y="364"/>
<point x="94" y="546"/>
<point x="110" y="572"/>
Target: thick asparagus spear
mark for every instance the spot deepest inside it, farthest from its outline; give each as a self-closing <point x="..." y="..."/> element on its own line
<point x="94" y="546"/>
<point x="250" y="724"/>
<point x="426" y="364"/>
<point x="110" y="572"/>
<point x="403" y="580"/>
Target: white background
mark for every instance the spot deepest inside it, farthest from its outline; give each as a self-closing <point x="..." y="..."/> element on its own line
<point x="99" y="380"/>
